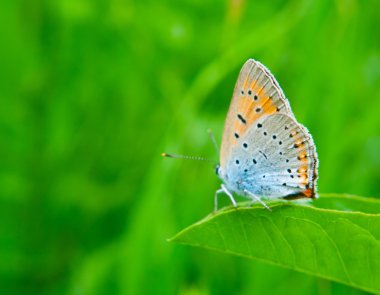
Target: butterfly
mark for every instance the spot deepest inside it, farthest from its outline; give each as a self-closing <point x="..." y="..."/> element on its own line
<point x="265" y="152"/>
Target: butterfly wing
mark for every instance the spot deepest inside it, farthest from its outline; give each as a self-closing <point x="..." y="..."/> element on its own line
<point x="275" y="159"/>
<point x="256" y="94"/>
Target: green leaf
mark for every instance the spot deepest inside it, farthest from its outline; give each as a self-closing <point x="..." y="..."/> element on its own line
<point x="316" y="239"/>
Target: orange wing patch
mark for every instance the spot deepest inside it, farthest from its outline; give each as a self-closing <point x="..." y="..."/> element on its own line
<point x="253" y="104"/>
<point x="302" y="157"/>
<point x="308" y="193"/>
<point x="302" y="171"/>
<point x="302" y="175"/>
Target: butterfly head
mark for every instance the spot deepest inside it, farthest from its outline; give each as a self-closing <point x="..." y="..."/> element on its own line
<point x="221" y="173"/>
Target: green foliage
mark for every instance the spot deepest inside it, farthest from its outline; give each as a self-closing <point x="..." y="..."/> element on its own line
<point x="93" y="91"/>
<point x="343" y="246"/>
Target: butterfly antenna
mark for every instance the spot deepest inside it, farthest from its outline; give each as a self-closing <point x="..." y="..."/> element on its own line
<point x="212" y="138"/>
<point x="185" y="157"/>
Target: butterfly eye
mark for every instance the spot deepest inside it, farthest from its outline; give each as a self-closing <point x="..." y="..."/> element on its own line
<point x="217" y="168"/>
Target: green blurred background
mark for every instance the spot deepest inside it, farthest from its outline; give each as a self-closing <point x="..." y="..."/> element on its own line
<point x="91" y="92"/>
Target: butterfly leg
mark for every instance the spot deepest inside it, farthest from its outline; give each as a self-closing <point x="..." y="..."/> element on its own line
<point x="223" y="189"/>
<point x="256" y="198"/>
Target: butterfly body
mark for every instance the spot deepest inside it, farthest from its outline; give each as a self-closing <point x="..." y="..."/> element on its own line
<point x="265" y="152"/>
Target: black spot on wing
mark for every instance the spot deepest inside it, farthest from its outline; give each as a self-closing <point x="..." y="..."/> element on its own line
<point x="240" y="117"/>
<point x="265" y="156"/>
